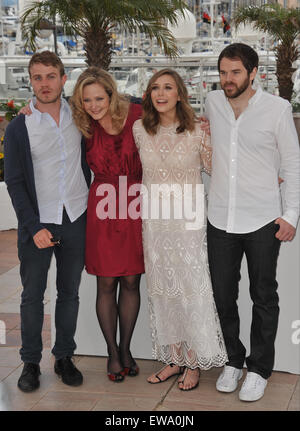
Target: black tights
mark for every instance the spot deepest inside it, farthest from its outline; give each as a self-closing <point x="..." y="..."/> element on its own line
<point x="126" y="310"/>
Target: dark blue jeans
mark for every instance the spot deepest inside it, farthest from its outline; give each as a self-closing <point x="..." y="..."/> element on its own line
<point x="225" y="252"/>
<point x="34" y="266"/>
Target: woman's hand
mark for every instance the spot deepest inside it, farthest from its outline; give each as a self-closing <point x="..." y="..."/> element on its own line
<point x="205" y="126"/>
<point x="25" y="110"/>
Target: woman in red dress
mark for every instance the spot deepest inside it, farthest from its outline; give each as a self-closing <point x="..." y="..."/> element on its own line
<point x="114" y="251"/>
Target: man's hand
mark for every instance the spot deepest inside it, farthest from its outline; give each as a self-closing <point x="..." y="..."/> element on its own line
<point x="42" y="239"/>
<point x="286" y="231"/>
<point x="205" y="126"/>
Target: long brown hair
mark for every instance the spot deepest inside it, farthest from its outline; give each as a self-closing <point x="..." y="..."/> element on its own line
<point x="184" y="112"/>
<point x="118" y="107"/>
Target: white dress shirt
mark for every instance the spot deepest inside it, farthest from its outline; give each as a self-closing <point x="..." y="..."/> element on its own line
<point x="248" y="154"/>
<point x="56" y="157"/>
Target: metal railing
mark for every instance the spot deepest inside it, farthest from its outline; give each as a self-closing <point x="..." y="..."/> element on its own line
<point x="132" y="73"/>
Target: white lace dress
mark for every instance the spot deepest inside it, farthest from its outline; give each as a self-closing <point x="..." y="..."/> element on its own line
<point x="184" y="322"/>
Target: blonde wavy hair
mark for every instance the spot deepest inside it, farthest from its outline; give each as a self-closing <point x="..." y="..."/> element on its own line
<point x="118" y="107"/>
<point x="184" y="112"/>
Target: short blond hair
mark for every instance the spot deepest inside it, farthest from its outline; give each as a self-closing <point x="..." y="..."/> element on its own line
<point x="47" y="58"/>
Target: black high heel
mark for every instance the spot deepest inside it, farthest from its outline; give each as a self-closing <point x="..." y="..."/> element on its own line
<point x="132" y="371"/>
<point x="115" y="377"/>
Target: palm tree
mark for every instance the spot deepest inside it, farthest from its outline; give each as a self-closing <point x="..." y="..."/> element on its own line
<point x="284" y="25"/>
<point x="95" y="20"/>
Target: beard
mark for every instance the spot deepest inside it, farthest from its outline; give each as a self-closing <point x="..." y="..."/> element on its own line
<point x="234" y="93"/>
<point x="45" y="100"/>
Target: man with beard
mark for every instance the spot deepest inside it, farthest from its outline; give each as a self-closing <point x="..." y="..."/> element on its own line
<point x="47" y="178"/>
<point x="253" y="138"/>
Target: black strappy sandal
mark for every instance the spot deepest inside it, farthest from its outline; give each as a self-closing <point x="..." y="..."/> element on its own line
<point x="175" y="374"/>
<point x="183" y="378"/>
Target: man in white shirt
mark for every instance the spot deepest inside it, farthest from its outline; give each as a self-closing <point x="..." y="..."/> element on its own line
<point x="47" y="178"/>
<point x="253" y="138"/>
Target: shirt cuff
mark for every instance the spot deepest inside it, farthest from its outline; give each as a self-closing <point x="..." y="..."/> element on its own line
<point x="291" y="217"/>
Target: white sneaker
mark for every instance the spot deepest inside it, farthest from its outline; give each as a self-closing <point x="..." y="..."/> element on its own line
<point x="253" y="387"/>
<point x="229" y="379"/>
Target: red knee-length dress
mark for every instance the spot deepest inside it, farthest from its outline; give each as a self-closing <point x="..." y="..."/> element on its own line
<point x="113" y="244"/>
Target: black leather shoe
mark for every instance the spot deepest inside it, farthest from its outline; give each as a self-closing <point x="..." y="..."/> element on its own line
<point x="29" y="379"/>
<point x="68" y="372"/>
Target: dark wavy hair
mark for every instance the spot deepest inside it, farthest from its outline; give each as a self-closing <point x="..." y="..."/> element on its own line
<point x="242" y="52"/>
<point x="184" y="112"/>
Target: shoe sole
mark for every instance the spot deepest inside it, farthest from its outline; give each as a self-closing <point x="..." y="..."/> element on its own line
<point x="181" y="371"/>
<point x="189" y="389"/>
<point x="226" y="390"/>
<point x="132" y="375"/>
<point x="250" y="399"/>
<point x="183" y="380"/>
<point x="162" y="381"/>
<point x="67" y="383"/>
<point x="131" y="372"/>
<point x="27" y="389"/>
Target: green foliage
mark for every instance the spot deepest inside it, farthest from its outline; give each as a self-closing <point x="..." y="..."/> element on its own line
<point x="280" y="22"/>
<point x="295" y="102"/>
<point x="296" y="106"/>
<point x="283" y="24"/>
<point x="11" y="109"/>
<point x="85" y="17"/>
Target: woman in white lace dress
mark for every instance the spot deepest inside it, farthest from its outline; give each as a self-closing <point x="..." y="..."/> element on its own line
<point x="186" y="333"/>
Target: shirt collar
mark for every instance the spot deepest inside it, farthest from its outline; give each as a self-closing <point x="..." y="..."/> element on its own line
<point x="65" y="111"/>
<point x="253" y="99"/>
<point x="256" y="96"/>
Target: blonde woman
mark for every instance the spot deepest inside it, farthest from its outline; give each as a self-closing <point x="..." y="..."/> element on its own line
<point x="114" y="250"/>
<point x="185" y="328"/>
